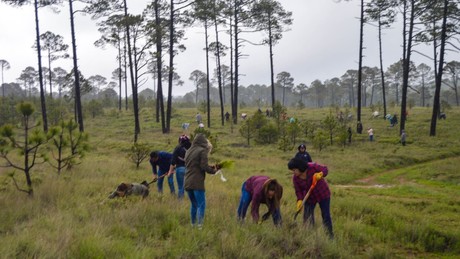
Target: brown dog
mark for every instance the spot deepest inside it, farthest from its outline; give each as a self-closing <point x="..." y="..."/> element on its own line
<point x="126" y="189"/>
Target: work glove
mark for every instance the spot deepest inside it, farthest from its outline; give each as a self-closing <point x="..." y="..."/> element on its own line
<point x="318" y="176"/>
<point x="217" y="167"/>
<point x="299" y="205"/>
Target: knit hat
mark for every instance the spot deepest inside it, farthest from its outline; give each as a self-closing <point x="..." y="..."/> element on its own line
<point x="297" y="163"/>
<point x="301" y="146"/>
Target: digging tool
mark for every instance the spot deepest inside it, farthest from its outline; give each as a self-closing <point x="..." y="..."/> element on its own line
<point x="265" y="216"/>
<point x="156" y="179"/>
<point x="313" y="184"/>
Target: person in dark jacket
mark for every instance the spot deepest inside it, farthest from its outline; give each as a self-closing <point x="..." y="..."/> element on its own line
<point x="196" y="167"/>
<point x="178" y="163"/>
<point x="162" y="160"/>
<point x="261" y="189"/>
<point x="303" y="174"/>
<point x="349" y="134"/>
<point x="303" y="154"/>
<point x="359" y="127"/>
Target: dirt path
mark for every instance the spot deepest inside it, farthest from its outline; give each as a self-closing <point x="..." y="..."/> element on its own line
<point x="363" y="186"/>
<point x="370" y="181"/>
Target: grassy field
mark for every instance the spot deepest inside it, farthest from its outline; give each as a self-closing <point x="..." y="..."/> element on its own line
<point x="388" y="201"/>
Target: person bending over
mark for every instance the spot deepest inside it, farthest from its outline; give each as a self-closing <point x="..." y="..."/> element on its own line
<point x="261" y="189"/>
<point x="306" y="175"/>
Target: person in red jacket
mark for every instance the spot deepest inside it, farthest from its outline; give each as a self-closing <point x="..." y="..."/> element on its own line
<point x="261" y="189"/>
<point x="304" y="176"/>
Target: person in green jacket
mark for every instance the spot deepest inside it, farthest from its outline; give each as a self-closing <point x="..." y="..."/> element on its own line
<point x="196" y="167"/>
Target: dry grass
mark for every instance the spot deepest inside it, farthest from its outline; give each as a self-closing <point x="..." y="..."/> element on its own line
<point x="70" y="217"/>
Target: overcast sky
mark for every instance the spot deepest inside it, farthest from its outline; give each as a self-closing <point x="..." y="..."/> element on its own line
<point x="323" y="43"/>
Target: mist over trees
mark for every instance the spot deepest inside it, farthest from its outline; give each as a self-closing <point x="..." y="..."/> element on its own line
<point x="147" y="43"/>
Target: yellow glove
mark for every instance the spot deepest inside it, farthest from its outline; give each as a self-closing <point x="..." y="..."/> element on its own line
<point x="318" y="176"/>
<point x="299" y="205"/>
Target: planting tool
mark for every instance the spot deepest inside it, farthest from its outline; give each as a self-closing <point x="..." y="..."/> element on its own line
<point x="313" y="184"/>
<point x="266" y="215"/>
<point x="156" y="179"/>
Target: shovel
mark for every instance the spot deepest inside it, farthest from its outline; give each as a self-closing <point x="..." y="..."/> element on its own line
<point x="156" y="179"/>
<point x="313" y="184"/>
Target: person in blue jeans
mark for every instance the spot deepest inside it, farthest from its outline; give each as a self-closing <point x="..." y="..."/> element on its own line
<point x="196" y="167"/>
<point x="310" y="176"/>
<point x="178" y="163"/>
<point x="257" y="190"/>
<point x="162" y="160"/>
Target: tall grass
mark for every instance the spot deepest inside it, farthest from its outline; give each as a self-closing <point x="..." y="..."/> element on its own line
<point x="388" y="201"/>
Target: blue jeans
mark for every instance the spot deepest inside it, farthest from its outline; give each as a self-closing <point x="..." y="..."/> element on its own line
<point x="325" y="206"/>
<point x="160" y="182"/>
<point x="198" y="200"/>
<point x="244" y="204"/>
<point x="180" y="173"/>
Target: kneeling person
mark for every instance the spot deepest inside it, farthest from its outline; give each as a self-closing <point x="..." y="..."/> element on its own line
<point x="261" y="189"/>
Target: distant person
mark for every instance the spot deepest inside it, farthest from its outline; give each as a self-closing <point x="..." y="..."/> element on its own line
<point x="375" y="114"/>
<point x="370" y="132"/>
<point x="196" y="167"/>
<point x="403" y="137"/>
<point x="185" y="126"/>
<point x="303" y="154"/>
<point x="340" y="116"/>
<point x="178" y="163"/>
<point x="442" y="116"/>
<point x="198" y="118"/>
<point x="394" y="120"/>
<point x="359" y="127"/>
<point x="227" y="116"/>
<point x="306" y="175"/>
<point x="162" y="160"/>
<point x="283" y="116"/>
<point x="349" y="133"/>
<point x="257" y="190"/>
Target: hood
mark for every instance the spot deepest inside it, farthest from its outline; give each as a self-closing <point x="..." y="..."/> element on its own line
<point x="200" y="140"/>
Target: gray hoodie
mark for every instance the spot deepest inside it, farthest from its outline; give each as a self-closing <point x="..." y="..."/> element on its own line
<point x="196" y="164"/>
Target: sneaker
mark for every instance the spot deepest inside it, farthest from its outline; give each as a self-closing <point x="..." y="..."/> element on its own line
<point x="200" y="226"/>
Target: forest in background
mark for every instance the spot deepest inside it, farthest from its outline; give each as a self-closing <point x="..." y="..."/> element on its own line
<point x="148" y="44"/>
